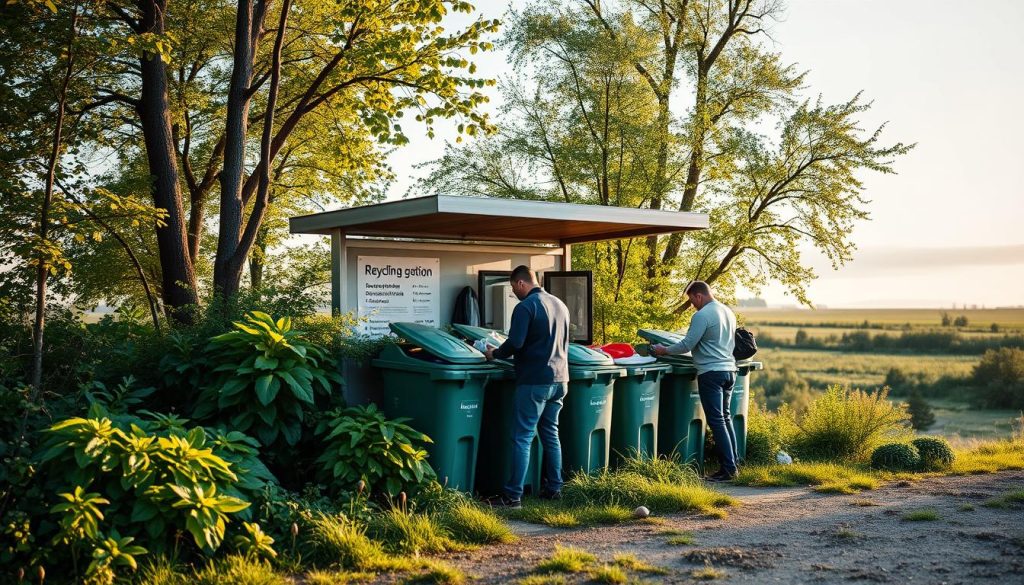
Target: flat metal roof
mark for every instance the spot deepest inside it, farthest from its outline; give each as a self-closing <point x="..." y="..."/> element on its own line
<point x="484" y="219"/>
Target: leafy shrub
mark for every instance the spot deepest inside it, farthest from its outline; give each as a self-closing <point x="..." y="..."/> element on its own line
<point x="767" y="434"/>
<point x="847" y="425"/>
<point x="360" y="443"/>
<point x="936" y="453"/>
<point x="264" y="374"/>
<point x="148" y="479"/>
<point x="1000" y="378"/>
<point x="896" y="457"/>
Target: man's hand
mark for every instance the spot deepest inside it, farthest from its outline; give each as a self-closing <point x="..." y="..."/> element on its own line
<point x="489" y="354"/>
<point x="658" y="349"/>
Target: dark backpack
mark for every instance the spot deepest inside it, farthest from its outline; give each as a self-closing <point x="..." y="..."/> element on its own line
<point x="746" y="347"/>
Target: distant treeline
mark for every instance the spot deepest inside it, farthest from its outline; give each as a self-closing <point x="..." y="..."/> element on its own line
<point x="906" y="342"/>
<point x="996" y="382"/>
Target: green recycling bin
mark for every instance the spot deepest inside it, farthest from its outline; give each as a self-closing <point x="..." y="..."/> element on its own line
<point x="635" y="408"/>
<point x="739" y="406"/>
<point x="681" y="422"/>
<point x="585" y="424"/>
<point x="494" y="461"/>
<point x="438" y="381"/>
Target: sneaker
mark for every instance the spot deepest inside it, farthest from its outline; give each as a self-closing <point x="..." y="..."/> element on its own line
<point x="720" y="477"/>
<point x="546" y="495"/>
<point x="506" y="503"/>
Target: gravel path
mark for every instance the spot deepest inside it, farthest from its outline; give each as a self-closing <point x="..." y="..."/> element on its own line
<point x="793" y="535"/>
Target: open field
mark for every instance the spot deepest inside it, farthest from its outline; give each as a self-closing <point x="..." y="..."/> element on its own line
<point x="957" y="422"/>
<point x="862" y="370"/>
<point x="787" y="333"/>
<point x="977" y="319"/>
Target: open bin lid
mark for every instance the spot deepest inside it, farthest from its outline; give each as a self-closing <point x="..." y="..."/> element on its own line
<point x="659" y="336"/>
<point x="579" y="355"/>
<point x="438" y="343"/>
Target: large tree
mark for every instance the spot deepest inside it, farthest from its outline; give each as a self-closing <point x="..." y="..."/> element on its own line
<point x="588" y="125"/>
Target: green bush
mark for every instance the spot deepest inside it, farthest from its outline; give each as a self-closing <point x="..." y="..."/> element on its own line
<point x="767" y="434"/>
<point x="1000" y="378"/>
<point x="147" y="479"/>
<point x="896" y="457"/>
<point x="846" y="425"/>
<point x="936" y="453"/>
<point x="360" y="443"/>
<point x="264" y="374"/>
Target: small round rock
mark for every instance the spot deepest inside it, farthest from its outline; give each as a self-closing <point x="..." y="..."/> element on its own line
<point x="641" y="512"/>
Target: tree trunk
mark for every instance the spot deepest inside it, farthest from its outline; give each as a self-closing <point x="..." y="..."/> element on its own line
<point x="178" y="278"/>
<point x="39" y="326"/>
<point x="258" y="258"/>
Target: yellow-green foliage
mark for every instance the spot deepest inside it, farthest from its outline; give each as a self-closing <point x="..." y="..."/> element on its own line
<point x="467" y="522"/>
<point x="708" y="573"/>
<point x="989" y="457"/>
<point x="680" y="538"/>
<point x="827" y="477"/>
<point x="438" y="572"/>
<point x="608" y="574"/>
<point x="566" y="560"/>
<point x="338" y="577"/>
<point x="927" y="515"/>
<point x="631" y="489"/>
<point x="239" y="570"/>
<point x="404" y="532"/>
<point x="846" y="425"/>
<point x="343" y="543"/>
<point x="542" y="580"/>
<point x="1007" y="500"/>
<point x="558" y="515"/>
<point x="632" y="563"/>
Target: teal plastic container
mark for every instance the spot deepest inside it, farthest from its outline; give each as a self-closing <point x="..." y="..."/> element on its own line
<point x="635" y="408"/>
<point x="438" y="381"/>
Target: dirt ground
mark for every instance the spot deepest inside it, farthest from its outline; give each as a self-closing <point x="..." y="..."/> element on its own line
<point x="793" y="535"/>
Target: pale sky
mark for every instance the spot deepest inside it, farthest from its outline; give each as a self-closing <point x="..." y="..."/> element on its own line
<point x="947" y="75"/>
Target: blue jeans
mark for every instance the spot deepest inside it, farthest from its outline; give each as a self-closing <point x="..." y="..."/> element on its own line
<point x="715" y="395"/>
<point x="537" y="409"/>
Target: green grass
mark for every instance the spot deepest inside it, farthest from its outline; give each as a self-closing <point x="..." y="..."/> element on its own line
<point x="345" y="544"/>
<point x="1007" y="500"/>
<point x="239" y="570"/>
<point x="338" y="577"/>
<point x="542" y="580"/>
<point x="825" y="477"/>
<point x="989" y="457"/>
<point x="630" y="562"/>
<point x="608" y="574"/>
<point x="966" y="508"/>
<point x="558" y="515"/>
<point x="469" y="523"/>
<point x="926" y="515"/>
<point x="566" y="560"/>
<point x="439" y="573"/>
<point x="846" y="533"/>
<point x="708" y="573"/>
<point x="631" y="489"/>
<point x="406" y="533"/>
<point x="681" y="540"/>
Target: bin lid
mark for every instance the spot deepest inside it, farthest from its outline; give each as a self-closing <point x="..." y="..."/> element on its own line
<point x="659" y="336"/>
<point x="438" y="343"/>
<point x="579" y="355"/>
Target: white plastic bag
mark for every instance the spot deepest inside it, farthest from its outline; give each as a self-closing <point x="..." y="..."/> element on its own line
<point x="783" y="458"/>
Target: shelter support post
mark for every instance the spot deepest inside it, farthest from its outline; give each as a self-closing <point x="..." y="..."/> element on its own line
<point x="339" y="261"/>
<point x="566" y="256"/>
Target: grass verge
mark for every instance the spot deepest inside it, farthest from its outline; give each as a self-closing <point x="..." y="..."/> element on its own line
<point x="1007" y="500"/>
<point x="825" y="477"/>
<point x="989" y="458"/>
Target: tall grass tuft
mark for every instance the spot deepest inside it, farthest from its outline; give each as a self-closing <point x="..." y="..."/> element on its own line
<point x="846" y="425"/>
<point x="338" y="541"/>
<point x="468" y="523"/>
<point x="631" y="489"/>
<point x="403" y="532"/>
<point x="566" y="560"/>
<point x="827" y="477"/>
<point x="239" y="570"/>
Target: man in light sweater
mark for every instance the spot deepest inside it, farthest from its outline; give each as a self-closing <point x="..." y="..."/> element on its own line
<point x="711" y="339"/>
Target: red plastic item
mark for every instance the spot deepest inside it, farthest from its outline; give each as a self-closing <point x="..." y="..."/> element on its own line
<point x="618" y="350"/>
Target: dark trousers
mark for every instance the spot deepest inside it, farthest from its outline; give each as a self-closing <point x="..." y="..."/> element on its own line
<point x="715" y="395"/>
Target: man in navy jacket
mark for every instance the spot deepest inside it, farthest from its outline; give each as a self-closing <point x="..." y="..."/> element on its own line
<point x="538" y="339"/>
